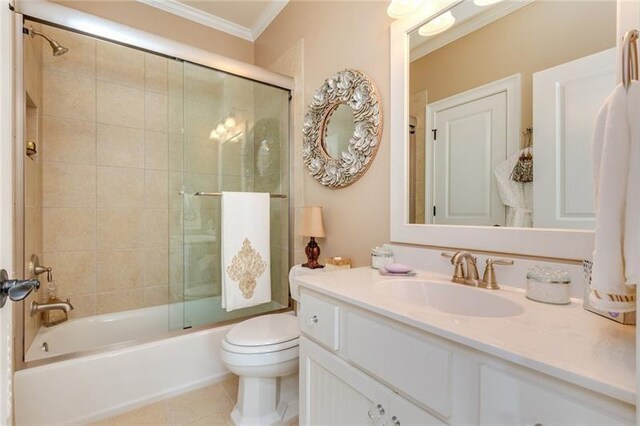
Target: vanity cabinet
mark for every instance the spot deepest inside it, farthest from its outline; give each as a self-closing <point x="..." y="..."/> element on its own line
<point x="336" y="393"/>
<point x="359" y="367"/>
<point x="508" y="397"/>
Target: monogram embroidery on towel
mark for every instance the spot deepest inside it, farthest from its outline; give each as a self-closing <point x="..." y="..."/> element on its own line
<point x="247" y="266"/>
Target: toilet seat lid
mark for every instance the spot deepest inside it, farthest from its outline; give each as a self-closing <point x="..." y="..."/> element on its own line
<point x="265" y="330"/>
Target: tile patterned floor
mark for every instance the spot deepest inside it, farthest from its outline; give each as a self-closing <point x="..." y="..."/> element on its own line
<point x="211" y="405"/>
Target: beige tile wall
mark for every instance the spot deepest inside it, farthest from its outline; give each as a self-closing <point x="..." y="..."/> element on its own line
<point x="105" y="174"/>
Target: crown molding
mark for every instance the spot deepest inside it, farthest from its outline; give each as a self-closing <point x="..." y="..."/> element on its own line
<point x="201" y="17"/>
<point x="212" y="21"/>
<point x="267" y="16"/>
<point x="467" y="27"/>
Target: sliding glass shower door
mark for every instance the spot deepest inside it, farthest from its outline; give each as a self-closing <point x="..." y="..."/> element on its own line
<point x="229" y="134"/>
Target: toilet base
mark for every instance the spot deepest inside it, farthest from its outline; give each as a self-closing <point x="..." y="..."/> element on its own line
<point x="266" y="401"/>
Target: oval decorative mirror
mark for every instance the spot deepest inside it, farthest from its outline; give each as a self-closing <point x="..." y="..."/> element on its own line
<point x="342" y="129"/>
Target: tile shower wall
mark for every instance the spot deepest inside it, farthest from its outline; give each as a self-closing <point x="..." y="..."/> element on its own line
<point x="106" y="174"/>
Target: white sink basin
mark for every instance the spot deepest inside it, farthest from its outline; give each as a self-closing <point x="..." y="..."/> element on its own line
<point x="451" y="298"/>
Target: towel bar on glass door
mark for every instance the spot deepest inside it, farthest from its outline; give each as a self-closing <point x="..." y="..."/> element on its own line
<point x="219" y="194"/>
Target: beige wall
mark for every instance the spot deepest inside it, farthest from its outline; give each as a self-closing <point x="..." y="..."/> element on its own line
<point x="538" y="36"/>
<point x="339" y="35"/>
<point x="105" y="174"/>
<point x="147" y="18"/>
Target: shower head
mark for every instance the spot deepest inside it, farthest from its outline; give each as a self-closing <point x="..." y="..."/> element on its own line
<point x="58" y="50"/>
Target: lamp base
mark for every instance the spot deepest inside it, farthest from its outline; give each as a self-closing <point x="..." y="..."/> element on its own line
<point x="312" y="250"/>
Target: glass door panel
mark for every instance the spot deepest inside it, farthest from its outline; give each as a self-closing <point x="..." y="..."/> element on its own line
<point x="236" y="138"/>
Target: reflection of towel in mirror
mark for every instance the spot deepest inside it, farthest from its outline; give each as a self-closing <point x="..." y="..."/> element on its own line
<point x="516" y="196"/>
<point x="616" y="160"/>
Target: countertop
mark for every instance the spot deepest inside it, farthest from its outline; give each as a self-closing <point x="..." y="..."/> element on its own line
<point x="563" y="341"/>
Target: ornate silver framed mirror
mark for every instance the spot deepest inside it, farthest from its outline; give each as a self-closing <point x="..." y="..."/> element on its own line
<point x="342" y="129"/>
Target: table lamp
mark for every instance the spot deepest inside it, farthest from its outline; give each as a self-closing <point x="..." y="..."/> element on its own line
<point x="311" y="226"/>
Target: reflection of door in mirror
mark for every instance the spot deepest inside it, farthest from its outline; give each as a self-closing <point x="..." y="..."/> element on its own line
<point x="563" y="193"/>
<point x="487" y="44"/>
<point x="469" y="142"/>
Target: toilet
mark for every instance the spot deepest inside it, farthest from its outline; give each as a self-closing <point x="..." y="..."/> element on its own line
<point x="263" y="352"/>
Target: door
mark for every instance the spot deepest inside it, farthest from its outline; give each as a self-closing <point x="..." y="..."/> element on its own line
<point x="470" y="140"/>
<point x="566" y="100"/>
<point x="6" y="207"/>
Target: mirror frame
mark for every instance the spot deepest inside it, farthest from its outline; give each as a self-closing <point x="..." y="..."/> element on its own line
<point x="551" y="243"/>
<point x="354" y="89"/>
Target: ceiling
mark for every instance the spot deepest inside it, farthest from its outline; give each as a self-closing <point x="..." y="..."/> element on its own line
<point x="246" y="19"/>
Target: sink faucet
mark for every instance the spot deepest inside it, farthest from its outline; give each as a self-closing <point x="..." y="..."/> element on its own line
<point x="468" y="276"/>
<point x="47" y="308"/>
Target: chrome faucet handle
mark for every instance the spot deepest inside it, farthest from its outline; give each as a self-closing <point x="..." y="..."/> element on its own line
<point x="459" y="275"/>
<point x="489" y="277"/>
<point x="36" y="269"/>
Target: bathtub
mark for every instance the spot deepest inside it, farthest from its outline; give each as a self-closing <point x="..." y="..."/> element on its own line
<point x="76" y="389"/>
<point x="84" y="334"/>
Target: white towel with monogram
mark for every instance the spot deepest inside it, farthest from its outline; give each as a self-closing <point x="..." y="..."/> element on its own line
<point x="616" y="159"/>
<point x="246" y="256"/>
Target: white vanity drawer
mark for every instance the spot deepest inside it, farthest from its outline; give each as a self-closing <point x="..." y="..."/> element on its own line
<point x="387" y="353"/>
<point x="511" y="398"/>
<point x="319" y="319"/>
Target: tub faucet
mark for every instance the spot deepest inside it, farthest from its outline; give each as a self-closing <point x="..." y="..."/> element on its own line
<point x="47" y="308"/>
<point x="468" y="276"/>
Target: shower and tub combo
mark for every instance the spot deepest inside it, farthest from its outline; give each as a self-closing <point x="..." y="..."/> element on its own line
<point x="122" y="133"/>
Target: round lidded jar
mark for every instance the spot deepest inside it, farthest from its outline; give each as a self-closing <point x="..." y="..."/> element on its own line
<point x="381" y="257"/>
<point x="549" y="285"/>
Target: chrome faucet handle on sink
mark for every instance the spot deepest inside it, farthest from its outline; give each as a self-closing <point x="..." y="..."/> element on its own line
<point x="489" y="278"/>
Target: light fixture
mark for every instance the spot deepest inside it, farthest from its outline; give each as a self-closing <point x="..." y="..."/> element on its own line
<point x="230" y="122"/>
<point x="437" y="25"/>
<point x="220" y="129"/>
<point x="402" y="8"/>
<point x="486" y="2"/>
<point x="214" y="135"/>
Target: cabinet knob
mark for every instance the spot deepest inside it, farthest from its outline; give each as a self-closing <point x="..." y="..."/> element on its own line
<point x="313" y="320"/>
<point x="376" y="413"/>
<point x="395" y="421"/>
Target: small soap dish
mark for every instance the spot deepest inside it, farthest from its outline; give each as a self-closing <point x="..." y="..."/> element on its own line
<point x="406" y="273"/>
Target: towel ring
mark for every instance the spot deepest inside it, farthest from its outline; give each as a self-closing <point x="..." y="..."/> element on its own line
<point x="629" y="57"/>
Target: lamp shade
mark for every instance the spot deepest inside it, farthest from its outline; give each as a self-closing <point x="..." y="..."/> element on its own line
<point x="311" y="224"/>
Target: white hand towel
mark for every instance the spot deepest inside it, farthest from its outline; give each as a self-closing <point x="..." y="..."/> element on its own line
<point x="516" y="196"/>
<point x="246" y="256"/>
<point x="616" y="155"/>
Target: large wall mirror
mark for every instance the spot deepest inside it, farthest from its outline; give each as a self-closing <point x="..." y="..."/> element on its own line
<point x="498" y="110"/>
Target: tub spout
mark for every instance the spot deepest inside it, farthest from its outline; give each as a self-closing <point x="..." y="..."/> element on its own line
<point x="36" y="307"/>
<point x="47" y="310"/>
